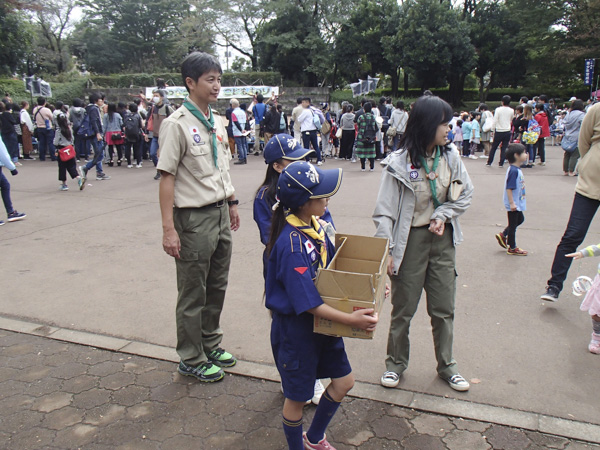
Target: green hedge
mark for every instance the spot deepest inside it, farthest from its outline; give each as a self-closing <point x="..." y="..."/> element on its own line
<point x="148" y="80"/>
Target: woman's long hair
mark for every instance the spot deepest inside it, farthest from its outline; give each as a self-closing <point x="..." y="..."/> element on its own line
<point x="112" y="110"/>
<point x="278" y="222"/>
<point x="270" y="182"/>
<point x="63" y="124"/>
<point x="426" y="115"/>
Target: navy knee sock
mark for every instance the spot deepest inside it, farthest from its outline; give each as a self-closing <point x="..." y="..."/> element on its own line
<point x="325" y="412"/>
<point x="293" y="434"/>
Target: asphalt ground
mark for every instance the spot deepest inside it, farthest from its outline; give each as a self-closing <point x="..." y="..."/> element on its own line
<point x="93" y="261"/>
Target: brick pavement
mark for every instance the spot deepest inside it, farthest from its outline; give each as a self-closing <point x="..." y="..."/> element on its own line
<point x="57" y="395"/>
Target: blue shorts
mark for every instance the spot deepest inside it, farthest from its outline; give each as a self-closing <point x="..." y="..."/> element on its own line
<point x="302" y="356"/>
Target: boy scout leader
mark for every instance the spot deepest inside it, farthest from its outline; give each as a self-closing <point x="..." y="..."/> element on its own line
<point x="199" y="210"/>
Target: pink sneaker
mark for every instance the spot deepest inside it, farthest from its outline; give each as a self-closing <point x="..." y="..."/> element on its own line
<point x="594" y="346"/>
<point x="321" y="445"/>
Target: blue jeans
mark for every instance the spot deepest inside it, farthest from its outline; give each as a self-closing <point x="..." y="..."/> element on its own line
<point x="154" y="151"/>
<point x="46" y="144"/>
<point x="98" y="147"/>
<point x="582" y="213"/>
<point x="531" y="152"/>
<point x="5" y="190"/>
<point x="242" y="147"/>
<point x="310" y="137"/>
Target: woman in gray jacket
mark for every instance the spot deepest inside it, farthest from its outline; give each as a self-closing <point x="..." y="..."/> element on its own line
<point x="424" y="189"/>
<point x="572" y="126"/>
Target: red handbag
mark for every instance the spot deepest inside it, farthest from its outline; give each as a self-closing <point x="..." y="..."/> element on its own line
<point x="67" y="153"/>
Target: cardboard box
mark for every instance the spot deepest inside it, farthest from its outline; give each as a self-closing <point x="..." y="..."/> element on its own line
<point x="355" y="279"/>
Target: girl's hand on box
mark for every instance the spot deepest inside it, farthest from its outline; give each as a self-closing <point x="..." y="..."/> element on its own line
<point x="365" y="319"/>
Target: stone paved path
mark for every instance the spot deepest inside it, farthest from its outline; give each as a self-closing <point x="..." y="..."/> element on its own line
<point x="56" y="395"/>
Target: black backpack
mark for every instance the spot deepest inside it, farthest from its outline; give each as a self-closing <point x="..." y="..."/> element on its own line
<point x="369" y="136"/>
<point x="132" y="128"/>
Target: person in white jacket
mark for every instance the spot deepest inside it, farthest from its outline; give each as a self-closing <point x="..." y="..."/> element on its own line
<point x="26" y="130"/>
<point x="424" y="189"/>
<point x="6" y="161"/>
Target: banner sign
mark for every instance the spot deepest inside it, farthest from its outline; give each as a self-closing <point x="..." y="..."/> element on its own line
<point x="180" y="92"/>
<point x="588" y="77"/>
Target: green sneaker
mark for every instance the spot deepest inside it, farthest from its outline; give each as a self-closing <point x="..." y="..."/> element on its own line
<point x="222" y="358"/>
<point x="206" y="372"/>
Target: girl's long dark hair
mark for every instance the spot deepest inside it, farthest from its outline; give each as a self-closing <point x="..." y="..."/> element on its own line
<point x="278" y="222"/>
<point x="63" y="124"/>
<point x="112" y="110"/>
<point x="271" y="179"/>
<point x="427" y="114"/>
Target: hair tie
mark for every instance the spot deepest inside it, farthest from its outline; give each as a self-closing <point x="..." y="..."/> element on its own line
<point x="276" y="205"/>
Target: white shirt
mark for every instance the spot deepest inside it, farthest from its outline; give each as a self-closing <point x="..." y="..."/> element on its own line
<point x="306" y="120"/>
<point x="503" y="117"/>
<point x="26" y="119"/>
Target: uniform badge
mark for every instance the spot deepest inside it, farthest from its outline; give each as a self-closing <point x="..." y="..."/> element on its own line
<point x="309" y="247"/>
<point x="413" y="172"/>
<point x="301" y="270"/>
<point x="313" y="256"/>
<point x="195" y="132"/>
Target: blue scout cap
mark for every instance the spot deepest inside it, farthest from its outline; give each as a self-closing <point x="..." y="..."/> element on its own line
<point x="301" y="182"/>
<point x="286" y="147"/>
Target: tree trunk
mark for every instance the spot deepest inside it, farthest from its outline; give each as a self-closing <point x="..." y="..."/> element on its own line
<point x="456" y="89"/>
<point x="395" y="82"/>
<point x="405" y="82"/>
<point x="481" y="90"/>
<point x="334" y="76"/>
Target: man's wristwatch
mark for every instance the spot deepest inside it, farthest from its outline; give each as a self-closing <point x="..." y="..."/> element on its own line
<point x="233" y="202"/>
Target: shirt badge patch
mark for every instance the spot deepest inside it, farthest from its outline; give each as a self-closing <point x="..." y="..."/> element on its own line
<point x="195" y="132"/>
<point x="413" y="172"/>
<point x="309" y="247"/>
<point x="301" y="270"/>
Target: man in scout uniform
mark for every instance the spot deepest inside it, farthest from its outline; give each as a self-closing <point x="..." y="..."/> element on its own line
<point x="199" y="210"/>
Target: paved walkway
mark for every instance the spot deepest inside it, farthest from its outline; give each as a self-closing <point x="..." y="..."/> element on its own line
<point x="57" y="395"/>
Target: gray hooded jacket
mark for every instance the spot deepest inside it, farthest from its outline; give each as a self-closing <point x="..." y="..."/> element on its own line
<point x="396" y="202"/>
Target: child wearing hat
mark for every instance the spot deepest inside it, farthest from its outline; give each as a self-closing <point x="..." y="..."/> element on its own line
<point x="279" y="152"/>
<point x="298" y="247"/>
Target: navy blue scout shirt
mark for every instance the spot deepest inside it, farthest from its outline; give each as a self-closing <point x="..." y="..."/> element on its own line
<point x="291" y="273"/>
<point x="263" y="212"/>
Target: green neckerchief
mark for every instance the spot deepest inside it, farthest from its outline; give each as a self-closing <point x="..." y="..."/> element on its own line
<point x="432" y="178"/>
<point x="209" y="124"/>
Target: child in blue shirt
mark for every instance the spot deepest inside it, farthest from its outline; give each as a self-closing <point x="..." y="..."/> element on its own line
<point x="514" y="199"/>
<point x="298" y="247"/>
<point x="467" y="128"/>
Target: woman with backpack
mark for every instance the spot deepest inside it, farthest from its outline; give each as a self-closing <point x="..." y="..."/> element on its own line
<point x="570" y="141"/>
<point x="133" y="126"/>
<point x="113" y="129"/>
<point x="76" y="115"/>
<point x="366" y="139"/>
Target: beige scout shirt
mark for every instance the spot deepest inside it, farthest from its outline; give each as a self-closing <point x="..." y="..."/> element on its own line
<point x="423" y="198"/>
<point x="186" y="153"/>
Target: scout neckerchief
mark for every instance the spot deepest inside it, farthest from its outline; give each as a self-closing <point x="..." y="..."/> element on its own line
<point x="209" y="124"/>
<point x="314" y="231"/>
<point x="431" y="175"/>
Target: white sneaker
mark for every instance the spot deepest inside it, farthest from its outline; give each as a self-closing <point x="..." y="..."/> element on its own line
<point x="139" y="166"/>
<point x="319" y="391"/>
<point x="129" y="166"/>
<point x="320" y="163"/>
<point x="353" y="160"/>
<point x="483" y="157"/>
<point x="390" y="379"/>
<point x="473" y="157"/>
<point x="458" y="383"/>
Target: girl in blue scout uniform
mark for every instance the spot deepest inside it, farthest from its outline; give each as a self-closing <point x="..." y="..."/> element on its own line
<point x="298" y="247"/>
<point x="280" y="151"/>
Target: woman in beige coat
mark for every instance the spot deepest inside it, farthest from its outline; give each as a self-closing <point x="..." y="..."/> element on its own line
<point x="585" y="205"/>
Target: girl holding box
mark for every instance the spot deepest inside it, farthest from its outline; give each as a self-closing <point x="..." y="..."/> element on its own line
<point x="297" y="248"/>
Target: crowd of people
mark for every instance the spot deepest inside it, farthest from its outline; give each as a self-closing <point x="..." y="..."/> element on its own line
<point x="424" y="191"/>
